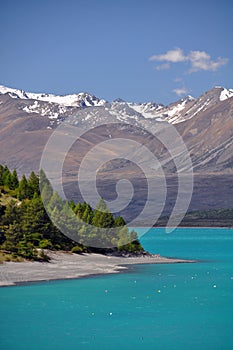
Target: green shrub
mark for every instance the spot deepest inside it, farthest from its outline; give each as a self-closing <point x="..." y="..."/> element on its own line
<point x="45" y="244"/>
<point x="78" y="249"/>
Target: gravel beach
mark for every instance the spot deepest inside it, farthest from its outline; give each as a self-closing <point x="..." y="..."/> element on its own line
<point x="66" y="266"/>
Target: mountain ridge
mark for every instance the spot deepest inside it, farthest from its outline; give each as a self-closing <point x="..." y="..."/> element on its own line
<point x="205" y="123"/>
<point x="70" y="100"/>
<point x="173" y="113"/>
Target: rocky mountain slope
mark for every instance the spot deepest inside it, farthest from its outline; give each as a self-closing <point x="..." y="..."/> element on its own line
<point x="205" y="123"/>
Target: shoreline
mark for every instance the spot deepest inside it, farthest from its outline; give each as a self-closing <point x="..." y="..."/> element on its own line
<point x="63" y="266"/>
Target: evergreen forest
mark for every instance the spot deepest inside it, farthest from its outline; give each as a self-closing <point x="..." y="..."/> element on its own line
<point x="27" y="232"/>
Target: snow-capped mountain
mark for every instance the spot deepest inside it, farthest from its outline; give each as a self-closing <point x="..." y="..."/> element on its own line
<point x="57" y="108"/>
<point x="75" y="100"/>
<point x="171" y="113"/>
<point x="46" y="111"/>
<point x="184" y="109"/>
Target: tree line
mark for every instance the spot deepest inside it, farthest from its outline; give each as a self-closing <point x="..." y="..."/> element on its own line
<point x="27" y="231"/>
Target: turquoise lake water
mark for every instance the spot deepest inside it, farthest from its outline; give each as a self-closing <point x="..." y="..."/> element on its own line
<point x="179" y="306"/>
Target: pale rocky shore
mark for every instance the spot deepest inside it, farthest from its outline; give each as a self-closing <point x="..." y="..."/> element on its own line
<point x="68" y="266"/>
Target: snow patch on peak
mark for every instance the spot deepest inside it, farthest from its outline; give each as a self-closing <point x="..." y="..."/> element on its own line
<point x="14" y="93"/>
<point x="73" y="100"/>
<point x="179" y="107"/>
<point x="225" y="94"/>
<point x="175" y="111"/>
<point x="189" y="98"/>
<point x="147" y="109"/>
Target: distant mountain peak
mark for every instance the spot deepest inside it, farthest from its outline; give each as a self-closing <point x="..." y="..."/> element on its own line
<point x="82" y="99"/>
<point x="119" y="100"/>
<point x="189" y="98"/>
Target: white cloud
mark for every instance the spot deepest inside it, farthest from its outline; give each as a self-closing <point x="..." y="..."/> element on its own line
<point x="163" y="66"/>
<point x="173" y="56"/>
<point x="198" y="60"/>
<point x="181" y="91"/>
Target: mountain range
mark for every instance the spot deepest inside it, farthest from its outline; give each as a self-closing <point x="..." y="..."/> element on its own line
<point x="205" y="124"/>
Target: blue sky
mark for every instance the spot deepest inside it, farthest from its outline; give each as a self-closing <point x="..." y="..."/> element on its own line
<point x="136" y="50"/>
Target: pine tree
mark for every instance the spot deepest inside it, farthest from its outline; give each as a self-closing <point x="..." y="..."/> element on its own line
<point x="46" y="189"/>
<point x="55" y="202"/>
<point x="8" y="181"/>
<point x="46" y="193"/>
<point x="102" y="217"/>
<point x="12" y="237"/>
<point x="12" y="229"/>
<point x="72" y="204"/>
<point x="14" y="180"/>
<point x="6" y="175"/>
<point x="33" y="183"/>
<point x="123" y="238"/>
<point x="88" y="214"/>
<point x="78" y="210"/>
<point x="119" y="221"/>
<point x="23" y="189"/>
<point x="1" y="175"/>
<point x="135" y="242"/>
<point x="11" y="214"/>
<point x="30" y="222"/>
